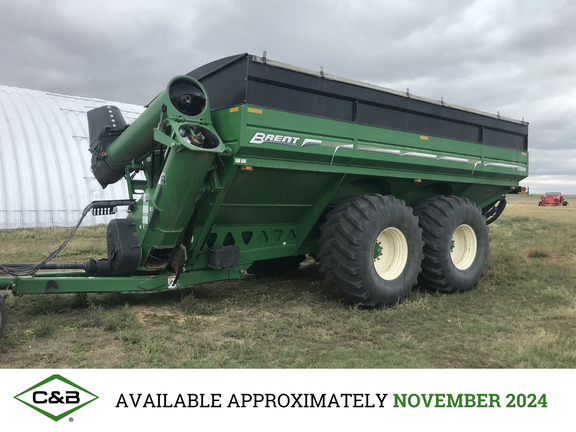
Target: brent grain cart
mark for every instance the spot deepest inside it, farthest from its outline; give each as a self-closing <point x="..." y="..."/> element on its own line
<point x="247" y="164"/>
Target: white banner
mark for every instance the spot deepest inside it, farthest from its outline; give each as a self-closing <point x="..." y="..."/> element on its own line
<point x="301" y="400"/>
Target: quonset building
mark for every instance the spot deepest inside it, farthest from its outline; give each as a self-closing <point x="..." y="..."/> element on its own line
<point x="45" y="177"/>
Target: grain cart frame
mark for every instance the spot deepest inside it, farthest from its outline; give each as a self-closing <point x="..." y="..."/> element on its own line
<point x="250" y="164"/>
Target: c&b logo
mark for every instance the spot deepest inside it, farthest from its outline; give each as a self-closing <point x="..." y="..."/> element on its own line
<point x="56" y="397"/>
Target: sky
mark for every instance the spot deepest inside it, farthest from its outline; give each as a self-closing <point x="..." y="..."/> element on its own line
<point x="513" y="57"/>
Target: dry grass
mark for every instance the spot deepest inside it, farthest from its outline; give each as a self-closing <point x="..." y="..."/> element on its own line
<point x="522" y="315"/>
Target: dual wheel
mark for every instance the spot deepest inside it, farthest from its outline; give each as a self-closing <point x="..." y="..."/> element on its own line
<point x="374" y="249"/>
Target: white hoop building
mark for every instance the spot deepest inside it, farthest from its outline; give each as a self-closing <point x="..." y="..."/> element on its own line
<point x="45" y="177"/>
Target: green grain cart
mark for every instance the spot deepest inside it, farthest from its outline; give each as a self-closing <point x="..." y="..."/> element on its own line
<point x="247" y="165"/>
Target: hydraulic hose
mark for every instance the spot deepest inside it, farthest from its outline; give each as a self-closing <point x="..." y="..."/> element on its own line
<point x="30" y="269"/>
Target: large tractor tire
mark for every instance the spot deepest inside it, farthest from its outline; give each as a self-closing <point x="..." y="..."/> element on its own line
<point x="456" y="243"/>
<point x="370" y="250"/>
<point x="494" y="210"/>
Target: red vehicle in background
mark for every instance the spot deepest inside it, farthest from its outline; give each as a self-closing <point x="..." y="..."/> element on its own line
<point x="552" y="199"/>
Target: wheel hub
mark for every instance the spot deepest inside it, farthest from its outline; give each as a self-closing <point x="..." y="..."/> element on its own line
<point x="463" y="247"/>
<point x="390" y="253"/>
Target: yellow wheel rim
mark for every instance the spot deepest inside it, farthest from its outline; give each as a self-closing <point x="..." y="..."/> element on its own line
<point x="463" y="247"/>
<point x="390" y="253"/>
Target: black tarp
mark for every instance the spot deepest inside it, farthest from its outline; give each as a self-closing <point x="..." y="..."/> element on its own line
<point x="241" y="79"/>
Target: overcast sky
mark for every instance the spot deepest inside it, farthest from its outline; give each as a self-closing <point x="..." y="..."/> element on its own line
<point x="516" y="57"/>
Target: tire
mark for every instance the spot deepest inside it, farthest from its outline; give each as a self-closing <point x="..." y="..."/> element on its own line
<point x="370" y="250"/>
<point x="456" y="244"/>
<point x="3" y="315"/>
<point x="276" y="266"/>
<point x="328" y="232"/>
<point x="494" y="210"/>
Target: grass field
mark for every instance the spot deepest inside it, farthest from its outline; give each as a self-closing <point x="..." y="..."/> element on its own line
<point x="521" y="315"/>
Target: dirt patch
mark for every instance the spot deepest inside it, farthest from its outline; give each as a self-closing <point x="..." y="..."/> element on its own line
<point x="83" y="348"/>
<point x="145" y="312"/>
